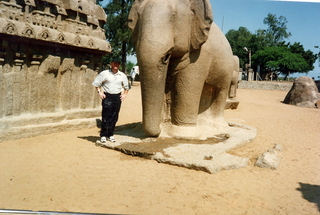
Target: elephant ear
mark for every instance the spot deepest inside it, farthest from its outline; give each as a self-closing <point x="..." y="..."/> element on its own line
<point x="133" y="18"/>
<point x="201" y="22"/>
<point x="133" y="15"/>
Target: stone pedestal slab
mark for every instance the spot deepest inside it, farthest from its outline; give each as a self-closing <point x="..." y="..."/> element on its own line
<point x="209" y="155"/>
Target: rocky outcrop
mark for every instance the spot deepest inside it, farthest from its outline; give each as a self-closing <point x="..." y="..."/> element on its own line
<point x="304" y="93"/>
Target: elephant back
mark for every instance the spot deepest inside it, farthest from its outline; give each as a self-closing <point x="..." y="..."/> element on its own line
<point x="202" y="18"/>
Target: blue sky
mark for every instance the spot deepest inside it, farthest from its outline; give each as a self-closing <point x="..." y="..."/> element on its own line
<point x="303" y="20"/>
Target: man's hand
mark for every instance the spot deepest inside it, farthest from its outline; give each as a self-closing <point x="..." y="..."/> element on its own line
<point x="123" y="96"/>
<point x="102" y="95"/>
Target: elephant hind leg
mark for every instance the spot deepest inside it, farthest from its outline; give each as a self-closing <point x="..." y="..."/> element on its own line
<point x="212" y="106"/>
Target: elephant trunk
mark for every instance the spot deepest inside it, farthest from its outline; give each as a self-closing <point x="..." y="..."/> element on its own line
<point x="154" y="41"/>
<point x="153" y="80"/>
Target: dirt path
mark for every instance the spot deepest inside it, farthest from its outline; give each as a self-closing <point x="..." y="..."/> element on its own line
<point x="67" y="172"/>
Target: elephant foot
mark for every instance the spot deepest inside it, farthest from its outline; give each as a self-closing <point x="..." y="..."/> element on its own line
<point x="203" y="130"/>
<point x="185" y="132"/>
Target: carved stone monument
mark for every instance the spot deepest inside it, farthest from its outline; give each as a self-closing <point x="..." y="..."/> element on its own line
<point x="183" y="55"/>
<point x="50" y="51"/>
<point x="187" y="72"/>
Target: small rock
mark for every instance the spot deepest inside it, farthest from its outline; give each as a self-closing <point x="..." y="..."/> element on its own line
<point x="269" y="159"/>
<point x="278" y="147"/>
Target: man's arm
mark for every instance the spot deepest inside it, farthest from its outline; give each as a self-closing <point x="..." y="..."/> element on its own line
<point x="125" y="86"/>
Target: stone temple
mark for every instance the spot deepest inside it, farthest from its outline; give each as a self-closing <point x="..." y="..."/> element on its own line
<point x="50" y="52"/>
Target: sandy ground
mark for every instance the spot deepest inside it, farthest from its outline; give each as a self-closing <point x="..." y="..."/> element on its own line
<point x="67" y="172"/>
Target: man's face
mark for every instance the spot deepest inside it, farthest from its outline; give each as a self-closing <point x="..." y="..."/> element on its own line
<point x="115" y="66"/>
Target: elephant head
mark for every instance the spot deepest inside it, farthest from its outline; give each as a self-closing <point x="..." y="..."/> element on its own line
<point x="164" y="34"/>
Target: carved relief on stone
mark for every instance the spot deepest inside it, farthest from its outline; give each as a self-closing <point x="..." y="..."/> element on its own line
<point x="45" y="35"/>
<point x="90" y="43"/>
<point x="44" y="19"/>
<point x="30" y="2"/>
<point x="77" y="40"/>
<point x="61" y="38"/>
<point x="10" y="28"/>
<point x="29" y="18"/>
<point x="11" y="10"/>
<point x="28" y="31"/>
<point x="61" y="10"/>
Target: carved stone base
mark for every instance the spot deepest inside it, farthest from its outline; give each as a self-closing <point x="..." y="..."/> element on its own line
<point x="206" y="155"/>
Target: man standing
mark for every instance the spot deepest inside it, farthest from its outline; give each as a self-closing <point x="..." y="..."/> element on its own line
<point x="109" y="85"/>
<point x="132" y="75"/>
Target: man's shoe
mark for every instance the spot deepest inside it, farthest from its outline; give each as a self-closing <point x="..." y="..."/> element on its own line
<point x="111" y="139"/>
<point x="103" y="139"/>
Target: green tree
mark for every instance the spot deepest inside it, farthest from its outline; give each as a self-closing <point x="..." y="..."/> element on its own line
<point x="239" y="39"/>
<point x="269" y="49"/>
<point x="276" y="31"/>
<point x="117" y="32"/>
<point x="308" y="55"/>
<point x="275" y="60"/>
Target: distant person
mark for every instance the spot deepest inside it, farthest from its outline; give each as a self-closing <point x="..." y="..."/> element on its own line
<point x="132" y="75"/>
<point x="109" y="85"/>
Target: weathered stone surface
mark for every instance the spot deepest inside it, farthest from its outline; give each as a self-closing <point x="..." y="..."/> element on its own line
<point x="50" y="52"/>
<point x="304" y="93"/>
<point x="79" y="23"/>
<point x="265" y="85"/>
<point x="184" y="39"/>
<point x="269" y="159"/>
<point x="232" y="104"/>
<point x="206" y="155"/>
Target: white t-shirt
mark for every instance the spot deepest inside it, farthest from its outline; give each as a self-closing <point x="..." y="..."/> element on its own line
<point x="110" y="82"/>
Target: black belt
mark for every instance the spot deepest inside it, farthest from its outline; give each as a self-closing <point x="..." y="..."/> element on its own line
<point x="112" y="94"/>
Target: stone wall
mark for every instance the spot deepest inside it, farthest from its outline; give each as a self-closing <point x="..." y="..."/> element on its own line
<point x="265" y="85"/>
<point x="50" y="52"/>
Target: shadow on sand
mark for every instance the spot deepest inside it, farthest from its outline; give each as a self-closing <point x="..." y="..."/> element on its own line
<point x="132" y="130"/>
<point x="311" y="193"/>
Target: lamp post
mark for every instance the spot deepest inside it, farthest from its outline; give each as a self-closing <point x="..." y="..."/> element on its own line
<point x="249" y="52"/>
<point x="249" y="70"/>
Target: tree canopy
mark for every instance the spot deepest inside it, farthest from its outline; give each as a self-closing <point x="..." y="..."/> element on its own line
<point x="280" y="60"/>
<point x="269" y="49"/>
<point x="276" y="31"/>
<point x="117" y="32"/>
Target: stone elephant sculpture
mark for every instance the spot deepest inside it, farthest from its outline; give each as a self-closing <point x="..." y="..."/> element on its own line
<point x="183" y="55"/>
<point x="235" y="78"/>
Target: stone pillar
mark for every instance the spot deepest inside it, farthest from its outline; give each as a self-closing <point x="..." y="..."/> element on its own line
<point x="250" y="74"/>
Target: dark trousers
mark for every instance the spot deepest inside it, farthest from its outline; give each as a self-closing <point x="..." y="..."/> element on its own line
<point x="110" y="113"/>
